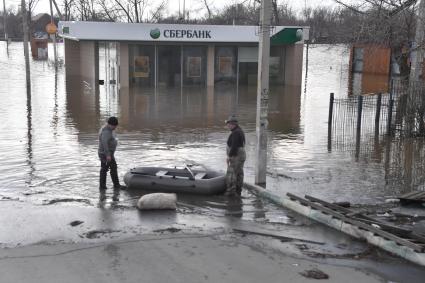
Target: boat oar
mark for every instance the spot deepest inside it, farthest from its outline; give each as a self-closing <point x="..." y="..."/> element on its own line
<point x="190" y="171"/>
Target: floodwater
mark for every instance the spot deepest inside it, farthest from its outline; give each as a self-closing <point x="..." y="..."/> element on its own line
<point x="49" y="152"/>
<point x="49" y="138"/>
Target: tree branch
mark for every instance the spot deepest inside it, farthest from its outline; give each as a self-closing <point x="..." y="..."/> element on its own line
<point x="349" y="7"/>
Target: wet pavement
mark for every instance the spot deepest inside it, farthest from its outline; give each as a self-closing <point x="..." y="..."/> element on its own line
<point x="48" y="185"/>
<point x="40" y="239"/>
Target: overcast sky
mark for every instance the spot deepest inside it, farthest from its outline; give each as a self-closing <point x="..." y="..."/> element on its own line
<point x="173" y="5"/>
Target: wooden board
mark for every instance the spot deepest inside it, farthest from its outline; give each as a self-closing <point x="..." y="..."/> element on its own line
<point x="362" y="225"/>
<point x="415" y="196"/>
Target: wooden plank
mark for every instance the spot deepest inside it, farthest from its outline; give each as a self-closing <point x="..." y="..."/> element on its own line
<point x="418" y="237"/>
<point x="399" y="231"/>
<point x="359" y="224"/>
<point x="416" y="195"/>
<point x="389" y="228"/>
<point x="328" y="204"/>
<point x="348" y="212"/>
<point x="274" y="235"/>
<point x="411" y="195"/>
<point x="422" y="195"/>
<point x="407" y="195"/>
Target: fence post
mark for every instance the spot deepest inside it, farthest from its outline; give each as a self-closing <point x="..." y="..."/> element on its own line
<point x="378" y="113"/>
<point x="330" y="116"/>
<point x="390" y="113"/>
<point x="359" y="123"/>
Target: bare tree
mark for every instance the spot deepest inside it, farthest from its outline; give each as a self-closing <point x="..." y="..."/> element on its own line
<point x="208" y="8"/>
<point x="157" y="13"/>
<point x="388" y="22"/>
<point x="83" y="9"/>
<point x="31" y="6"/>
<point x="132" y="11"/>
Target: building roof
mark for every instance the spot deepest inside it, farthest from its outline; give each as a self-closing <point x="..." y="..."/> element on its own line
<point x="39" y="17"/>
<point x="109" y="31"/>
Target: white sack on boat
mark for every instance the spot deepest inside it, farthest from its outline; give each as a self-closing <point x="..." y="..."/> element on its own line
<point x="157" y="201"/>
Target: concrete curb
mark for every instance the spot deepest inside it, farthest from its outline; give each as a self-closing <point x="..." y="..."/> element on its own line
<point x="337" y="224"/>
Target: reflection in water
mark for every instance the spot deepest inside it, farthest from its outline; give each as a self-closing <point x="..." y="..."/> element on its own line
<point x="259" y="212"/>
<point x="29" y="137"/>
<point x="55" y="117"/>
<point x="57" y="142"/>
<point x="234" y="207"/>
<point x="405" y="165"/>
<point x="83" y="104"/>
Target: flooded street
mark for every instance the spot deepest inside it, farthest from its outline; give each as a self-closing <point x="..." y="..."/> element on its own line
<point x="50" y="139"/>
<point x="50" y="167"/>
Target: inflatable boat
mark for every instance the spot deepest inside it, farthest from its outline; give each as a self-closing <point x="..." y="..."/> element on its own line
<point x="175" y="180"/>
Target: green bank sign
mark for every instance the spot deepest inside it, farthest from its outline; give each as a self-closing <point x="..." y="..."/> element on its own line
<point x="287" y="36"/>
<point x="181" y="33"/>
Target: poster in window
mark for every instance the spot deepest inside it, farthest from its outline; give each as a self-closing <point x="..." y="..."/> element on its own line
<point x="225" y="65"/>
<point x="141" y="66"/>
<point x="274" y="63"/>
<point x="193" y="67"/>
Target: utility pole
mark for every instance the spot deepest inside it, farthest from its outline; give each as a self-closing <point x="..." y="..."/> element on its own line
<point x="5" y="22"/>
<point x="184" y="10"/>
<point x="26" y="53"/>
<point x="52" y="21"/>
<point x="263" y="92"/>
<point x="57" y="9"/>
<point x="418" y="54"/>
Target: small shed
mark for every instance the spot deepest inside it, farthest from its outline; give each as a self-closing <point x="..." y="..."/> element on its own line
<point x="39" y="48"/>
<point x="370" y="68"/>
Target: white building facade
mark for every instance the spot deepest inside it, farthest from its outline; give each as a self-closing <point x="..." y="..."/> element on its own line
<point x="174" y="55"/>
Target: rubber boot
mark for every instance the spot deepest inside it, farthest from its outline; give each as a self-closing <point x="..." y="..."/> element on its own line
<point x="102" y="195"/>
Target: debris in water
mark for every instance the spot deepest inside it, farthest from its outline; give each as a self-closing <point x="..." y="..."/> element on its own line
<point x="314" y="274"/>
<point x="53" y="201"/>
<point x="170" y="229"/>
<point x="345" y="204"/>
<point x="96" y="233"/>
<point x="76" y="223"/>
<point x="9" y="198"/>
<point x="33" y="193"/>
<point x="282" y="238"/>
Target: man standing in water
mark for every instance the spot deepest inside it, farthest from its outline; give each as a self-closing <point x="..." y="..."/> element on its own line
<point x="107" y="146"/>
<point x="235" y="158"/>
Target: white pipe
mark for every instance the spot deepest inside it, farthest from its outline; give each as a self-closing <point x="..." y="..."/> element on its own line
<point x="347" y="228"/>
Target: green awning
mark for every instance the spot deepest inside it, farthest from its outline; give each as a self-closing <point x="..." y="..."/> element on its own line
<point x="287" y="36"/>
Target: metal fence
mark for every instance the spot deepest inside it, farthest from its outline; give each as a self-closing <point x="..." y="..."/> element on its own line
<point x="409" y="108"/>
<point x="404" y="163"/>
<point x="358" y="123"/>
<point x="387" y="128"/>
<point x="400" y="112"/>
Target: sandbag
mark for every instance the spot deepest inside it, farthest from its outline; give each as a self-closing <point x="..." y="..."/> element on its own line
<point x="157" y="201"/>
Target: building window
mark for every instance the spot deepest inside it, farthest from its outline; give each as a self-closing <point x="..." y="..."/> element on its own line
<point x="225" y="66"/>
<point x="141" y="67"/>
<point x="194" y="67"/>
<point x="225" y="60"/>
<point x="358" y="60"/>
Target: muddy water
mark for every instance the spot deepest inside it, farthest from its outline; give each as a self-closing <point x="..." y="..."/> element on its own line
<point x="49" y="139"/>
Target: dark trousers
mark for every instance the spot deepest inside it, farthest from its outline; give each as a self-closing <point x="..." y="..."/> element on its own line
<point x="234" y="174"/>
<point x="104" y="167"/>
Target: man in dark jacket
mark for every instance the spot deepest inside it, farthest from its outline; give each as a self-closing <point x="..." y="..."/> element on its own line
<point x="107" y="146"/>
<point x="235" y="158"/>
